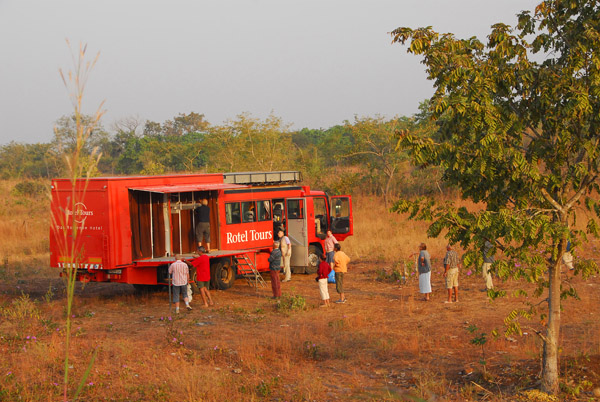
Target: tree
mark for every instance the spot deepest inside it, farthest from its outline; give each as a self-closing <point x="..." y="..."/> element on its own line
<point x="519" y="121"/>
<point x="27" y="160"/>
<point x="65" y="133"/>
<point x="67" y="139"/>
<point x="180" y="125"/>
<point x="375" y="148"/>
<point x="247" y="143"/>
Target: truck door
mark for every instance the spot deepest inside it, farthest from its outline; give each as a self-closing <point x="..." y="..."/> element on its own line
<point x="341" y="216"/>
<point x="296" y="231"/>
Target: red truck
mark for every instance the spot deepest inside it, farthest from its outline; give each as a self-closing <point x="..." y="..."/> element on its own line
<point x="129" y="229"/>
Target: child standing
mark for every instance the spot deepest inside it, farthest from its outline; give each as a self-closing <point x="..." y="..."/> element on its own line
<point x="324" y="270"/>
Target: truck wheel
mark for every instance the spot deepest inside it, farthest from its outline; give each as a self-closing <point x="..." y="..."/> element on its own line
<point x="314" y="258"/>
<point x="223" y="275"/>
<point x="193" y="278"/>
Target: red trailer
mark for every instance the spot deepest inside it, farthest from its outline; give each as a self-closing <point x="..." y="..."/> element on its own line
<point x="130" y="228"/>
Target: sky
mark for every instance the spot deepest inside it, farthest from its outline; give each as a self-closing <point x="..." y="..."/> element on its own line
<point x="314" y="63"/>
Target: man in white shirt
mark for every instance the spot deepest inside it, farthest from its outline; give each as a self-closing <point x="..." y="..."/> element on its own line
<point x="180" y="274"/>
<point x="286" y="255"/>
<point x="330" y="242"/>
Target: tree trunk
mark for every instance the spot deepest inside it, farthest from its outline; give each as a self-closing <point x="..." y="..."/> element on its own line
<point x="550" y="354"/>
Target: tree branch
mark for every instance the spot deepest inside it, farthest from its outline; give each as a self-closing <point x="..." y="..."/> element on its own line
<point x="551" y="200"/>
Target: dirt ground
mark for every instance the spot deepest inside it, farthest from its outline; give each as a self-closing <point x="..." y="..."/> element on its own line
<point x="385" y="343"/>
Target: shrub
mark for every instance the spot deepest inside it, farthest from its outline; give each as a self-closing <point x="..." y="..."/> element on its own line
<point x="32" y="189"/>
<point x="291" y="303"/>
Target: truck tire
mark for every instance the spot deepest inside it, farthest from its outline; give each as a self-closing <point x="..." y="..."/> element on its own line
<point x="193" y="278"/>
<point x="222" y="274"/>
<point x="314" y="258"/>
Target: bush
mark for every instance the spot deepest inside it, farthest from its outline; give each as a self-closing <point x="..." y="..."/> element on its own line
<point x="291" y="302"/>
<point x="31" y="189"/>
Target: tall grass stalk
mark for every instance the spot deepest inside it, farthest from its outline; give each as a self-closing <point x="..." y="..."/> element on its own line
<point x="79" y="165"/>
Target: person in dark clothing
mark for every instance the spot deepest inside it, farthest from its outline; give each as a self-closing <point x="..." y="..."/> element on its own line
<point x="274" y="268"/>
<point x="203" y="224"/>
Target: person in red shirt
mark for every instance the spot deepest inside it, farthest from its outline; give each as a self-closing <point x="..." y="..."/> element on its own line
<point x="202" y="265"/>
<point x="324" y="270"/>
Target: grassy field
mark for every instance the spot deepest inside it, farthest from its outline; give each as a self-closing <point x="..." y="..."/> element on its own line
<point x="385" y="344"/>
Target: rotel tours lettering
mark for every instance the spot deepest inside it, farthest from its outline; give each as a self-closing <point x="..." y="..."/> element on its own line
<point x="248" y="235"/>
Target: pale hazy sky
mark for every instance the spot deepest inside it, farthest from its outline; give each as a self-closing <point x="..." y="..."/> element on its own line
<point x="315" y="63"/>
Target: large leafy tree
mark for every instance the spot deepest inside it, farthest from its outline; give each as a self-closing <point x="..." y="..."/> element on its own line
<point x="27" y="160"/>
<point x="67" y="139"/>
<point x="180" y="125"/>
<point x="519" y="120"/>
<point x="248" y="143"/>
<point x="375" y="148"/>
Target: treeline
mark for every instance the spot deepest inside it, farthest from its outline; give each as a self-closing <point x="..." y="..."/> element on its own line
<point x="357" y="156"/>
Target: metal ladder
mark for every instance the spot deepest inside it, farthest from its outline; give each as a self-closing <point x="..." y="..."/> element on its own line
<point x="248" y="270"/>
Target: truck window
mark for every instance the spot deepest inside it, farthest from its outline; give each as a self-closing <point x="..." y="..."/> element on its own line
<point x="264" y="210"/>
<point x="341" y="208"/>
<point x="340" y="214"/>
<point x="295" y="209"/>
<point x="248" y="212"/>
<point x="320" y="208"/>
<point x="232" y="213"/>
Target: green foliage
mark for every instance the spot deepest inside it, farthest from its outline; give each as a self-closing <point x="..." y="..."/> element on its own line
<point x="393" y="275"/>
<point x="49" y="295"/>
<point x="289" y="302"/>
<point x="180" y="126"/>
<point x="27" y="161"/>
<point x="249" y="144"/>
<point x="21" y="309"/>
<point x="28" y="188"/>
<point x="312" y="350"/>
<point x="265" y="388"/>
<point x="479" y="340"/>
<point x="521" y="137"/>
<point x="375" y="148"/>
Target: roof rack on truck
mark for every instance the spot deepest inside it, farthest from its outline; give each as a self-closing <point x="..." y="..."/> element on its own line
<point x="263" y="178"/>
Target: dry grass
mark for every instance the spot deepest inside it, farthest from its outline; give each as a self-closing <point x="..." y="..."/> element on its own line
<point x="24" y="223"/>
<point x="383" y="345"/>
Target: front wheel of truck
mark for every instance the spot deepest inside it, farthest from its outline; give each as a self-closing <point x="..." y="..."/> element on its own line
<point x="314" y="258"/>
<point x="223" y="275"/>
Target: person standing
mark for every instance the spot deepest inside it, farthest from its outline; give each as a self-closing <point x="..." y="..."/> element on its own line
<point x="488" y="260"/>
<point x="424" y="267"/>
<point x="274" y="268"/>
<point x="202" y="265"/>
<point x="451" y="265"/>
<point x="286" y="254"/>
<point x="180" y="276"/>
<point x="340" y="266"/>
<point x="203" y="224"/>
<point x="330" y="242"/>
<point x="323" y="274"/>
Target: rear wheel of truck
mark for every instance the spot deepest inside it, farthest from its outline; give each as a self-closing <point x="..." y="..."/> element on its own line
<point x="222" y="274"/>
<point x="193" y="279"/>
<point x="314" y="258"/>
